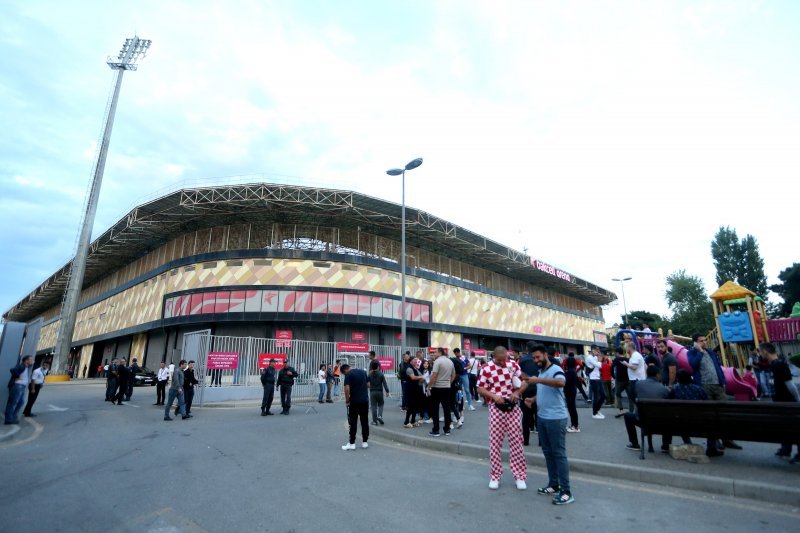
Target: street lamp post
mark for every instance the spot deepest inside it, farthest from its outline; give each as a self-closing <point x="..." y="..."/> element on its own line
<point x="624" y="304"/>
<point x="402" y="172"/>
<point x="133" y="50"/>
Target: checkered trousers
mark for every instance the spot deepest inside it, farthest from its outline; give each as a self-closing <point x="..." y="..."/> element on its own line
<point x="502" y="425"/>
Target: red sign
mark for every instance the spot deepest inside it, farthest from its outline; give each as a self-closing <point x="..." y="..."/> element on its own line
<point x="479" y="352"/>
<point x="467" y="345"/>
<point x="387" y="363"/>
<point x="263" y="360"/>
<point x="358" y="336"/>
<point x="352" y="347"/>
<point x="549" y="269"/>
<point x="432" y="350"/>
<point x="223" y="360"/>
<point x="283" y="334"/>
<point x="538" y="329"/>
<point x="398" y="336"/>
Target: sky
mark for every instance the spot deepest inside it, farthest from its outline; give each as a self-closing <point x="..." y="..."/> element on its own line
<point x="609" y="139"/>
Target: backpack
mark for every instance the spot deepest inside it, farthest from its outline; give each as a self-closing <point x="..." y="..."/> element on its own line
<point x="459" y="366"/>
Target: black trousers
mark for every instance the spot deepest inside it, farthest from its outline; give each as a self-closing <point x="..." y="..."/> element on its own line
<point x="453" y="401"/>
<point x="571" y="399"/>
<point x="266" y="400"/>
<point x="32" y="395"/>
<point x="414" y="399"/>
<point x="598" y="395"/>
<point x="161" y="387"/>
<point x="528" y="421"/>
<point x="188" y="396"/>
<point x="356" y="412"/>
<point x="122" y="390"/>
<point x="286" y="397"/>
<point x="111" y="388"/>
<point x="473" y="386"/>
<point x="440" y="397"/>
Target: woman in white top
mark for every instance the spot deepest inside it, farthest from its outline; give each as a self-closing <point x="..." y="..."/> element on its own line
<point x="321" y="379"/>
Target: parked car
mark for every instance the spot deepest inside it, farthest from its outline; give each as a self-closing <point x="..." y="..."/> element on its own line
<point x="144" y="376"/>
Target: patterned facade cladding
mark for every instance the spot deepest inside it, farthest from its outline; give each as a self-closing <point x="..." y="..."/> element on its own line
<point x="445" y="339"/>
<point x="451" y="305"/>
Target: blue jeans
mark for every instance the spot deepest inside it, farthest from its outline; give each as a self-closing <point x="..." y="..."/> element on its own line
<point x="553" y="436"/>
<point x="16" y="399"/>
<point x="173" y="393"/>
<point x="336" y="387"/>
<point x="321" y="392"/>
<point x="465" y="387"/>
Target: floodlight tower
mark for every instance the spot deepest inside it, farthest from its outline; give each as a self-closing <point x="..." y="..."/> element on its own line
<point x="132" y="51"/>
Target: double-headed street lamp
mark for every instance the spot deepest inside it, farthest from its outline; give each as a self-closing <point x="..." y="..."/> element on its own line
<point x="402" y="172"/>
<point x="624" y="305"/>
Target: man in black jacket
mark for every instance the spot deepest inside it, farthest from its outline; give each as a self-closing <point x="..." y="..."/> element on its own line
<point x="189" y="381"/>
<point x="123" y="375"/>
<point x="268" y="382"/>
<point x="286" y="377"/>
<point x="135" y="369"/>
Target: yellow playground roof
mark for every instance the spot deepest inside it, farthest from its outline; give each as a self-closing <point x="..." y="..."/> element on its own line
<point x="731" y="290"/>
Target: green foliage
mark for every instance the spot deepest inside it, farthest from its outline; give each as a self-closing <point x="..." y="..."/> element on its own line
<point x="725" y="249"/>
<point x="789" y="289"/>
<point x="637" y="320"/>
<point x="751" y="268"/>
<point x="690" y="306"/>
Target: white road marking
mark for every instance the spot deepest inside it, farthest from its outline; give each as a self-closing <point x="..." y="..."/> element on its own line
<point x="51" y="407"/>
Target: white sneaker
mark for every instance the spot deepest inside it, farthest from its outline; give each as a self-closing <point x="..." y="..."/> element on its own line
<point x="494" y="484"/>
<point x="428" y="421"/>
<point x="349" y="446"/>
<point x="461" y="421"/>
<point x="441" y="419"/>
<point x="573" y="430"/>
<point x="599" y="416"/>
<point x="363" y="445"/>
<point x="471" y="408"/>
<point x="521" y="485"/>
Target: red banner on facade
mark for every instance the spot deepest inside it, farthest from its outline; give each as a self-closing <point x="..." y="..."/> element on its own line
<point x="283" y="334"/>
<point x="223" y="360"/>
<point x="387" y="363"/>
<point x="352" y="347"/>
<point x="358" y="336"/>
<point x="263" y="360"/>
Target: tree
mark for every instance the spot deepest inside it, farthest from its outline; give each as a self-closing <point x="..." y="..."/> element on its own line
<point x="751" y="267"/>
<point x="789" y="289"/>
<point x="637" y="320"/>
<point x="690" y="306"/>
<point x="726" y="254"/>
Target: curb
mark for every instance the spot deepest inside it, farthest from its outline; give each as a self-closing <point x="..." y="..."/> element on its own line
<point x="737" y="488"/>
<point x="10" y="432"/>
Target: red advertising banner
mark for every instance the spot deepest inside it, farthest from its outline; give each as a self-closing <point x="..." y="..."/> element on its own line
<point x="283" y="334"/>
<point x="467" y="344"/>
<point x="398" y="336"/>
<point x="433" y="349"/>
<point x="358" y="336"/>
<point x="387" y="363"/>
<point x="352" y="347"/>
<point x="223" y="360"/>
<point x="263" y="360"/>
<point x="479" y="352"/>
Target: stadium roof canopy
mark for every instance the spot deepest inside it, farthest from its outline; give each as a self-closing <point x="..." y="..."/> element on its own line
<point x="156" y="222"/>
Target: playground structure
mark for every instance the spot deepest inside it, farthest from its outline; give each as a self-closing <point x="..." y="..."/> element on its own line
<point x="743" y="388"/>
<point x="741" y="320"/>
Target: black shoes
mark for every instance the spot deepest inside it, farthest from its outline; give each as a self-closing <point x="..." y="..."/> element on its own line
<point x="185" y="417"/>
<point x="380" y="420"/>
<point x="167" y="418"/>
<point x="712" y="452"/>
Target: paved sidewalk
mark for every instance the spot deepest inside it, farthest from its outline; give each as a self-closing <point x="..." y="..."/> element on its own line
<point x="599" y="449"/>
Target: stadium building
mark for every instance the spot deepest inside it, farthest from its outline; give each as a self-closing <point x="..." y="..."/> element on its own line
<point x="267" y="261"/>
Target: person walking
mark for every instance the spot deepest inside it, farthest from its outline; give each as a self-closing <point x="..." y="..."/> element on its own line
<point x="321" y="381"/>
<point x="377" y="385"/>
<point x="268" y="376"/>
<point x="620" y="373"/>
<point x="356" y="398"/>
<point x="552" y="420"/>
<point x="189" y="381"/>
<point x="134" y="369"/>
<point x="606" y="377"/>
<point x="463" y="376"/>
<point x="442" y="377"/>
<point x="593" y="362"/>
<point x="500" y="384"/>
<point x="123" y="376"/>
<point x="286" y="377"/>
<point x="637" y="371"/>
<point x="161" y="384"/>
<point x="37" y="382"/>
<point x="17" y="385"/>
<point x="176" y="392"/>
<point x="571" y="394"/>
<point x="474" y="369"/>
<point x="111" y="380"/>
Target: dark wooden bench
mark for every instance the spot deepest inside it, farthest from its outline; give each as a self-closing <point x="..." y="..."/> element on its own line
<point x="745" y="421"/>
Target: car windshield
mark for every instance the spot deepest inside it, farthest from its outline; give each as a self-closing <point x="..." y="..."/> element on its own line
<point x="145" y="370"/>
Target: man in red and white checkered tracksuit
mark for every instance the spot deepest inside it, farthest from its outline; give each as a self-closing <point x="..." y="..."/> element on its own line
<point x="500" y="384"/>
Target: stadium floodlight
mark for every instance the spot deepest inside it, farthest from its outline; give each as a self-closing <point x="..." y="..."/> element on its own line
<point x="402" y="172"/>
<point x="132" y="51"/>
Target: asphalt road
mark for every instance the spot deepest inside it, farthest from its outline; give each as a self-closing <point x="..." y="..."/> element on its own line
<point x="86" y="465"/>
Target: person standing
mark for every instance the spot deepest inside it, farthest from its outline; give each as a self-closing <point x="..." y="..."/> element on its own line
<point x="268" y="376"/>
<point x="329" y="380"/>
<point x="176" y="392"/>
<point x="17" y="385"/>
<point x="458" y="369"/>
<point x="637" y="370"/>
<point x="669" y="364"/>
<point x="620" y="373"/>
<point x="401" y="374"/>
<point x="111" y="381"/>
<point x="416" y="391"/>
<point x="552" y="421"/>
<point x="593" y="361"/>
<point x="123" y="375"/>
<point x="189" y="381"/>
<point x="605" y="377"/>
<point x="356" y="398"/>
<point x="784" y="390"/>
<point x="134" y="369"/>
<point x="442" y="377"/>
<point x="37" y="382"/>
<point x="474" y="369"/>
<point x="463" y="376"/>
<point x="161" y="385"/>
<point x="286" y="377"/>
<point x="707" y="372"/>
<point x="321" y="381"/>
<point x="571" y="394"/>
<point x="377" y="385"/>
<point x="528" y="368"/>
<point x="336" y="377"/>
<point x="500" y="383"/>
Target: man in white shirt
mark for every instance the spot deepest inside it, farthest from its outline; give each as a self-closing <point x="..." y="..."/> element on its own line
<point x="37" y="382"/>
<point x="593" y="362"/>
<point x="161" y="385"/>
<point x="637" y="369"/>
